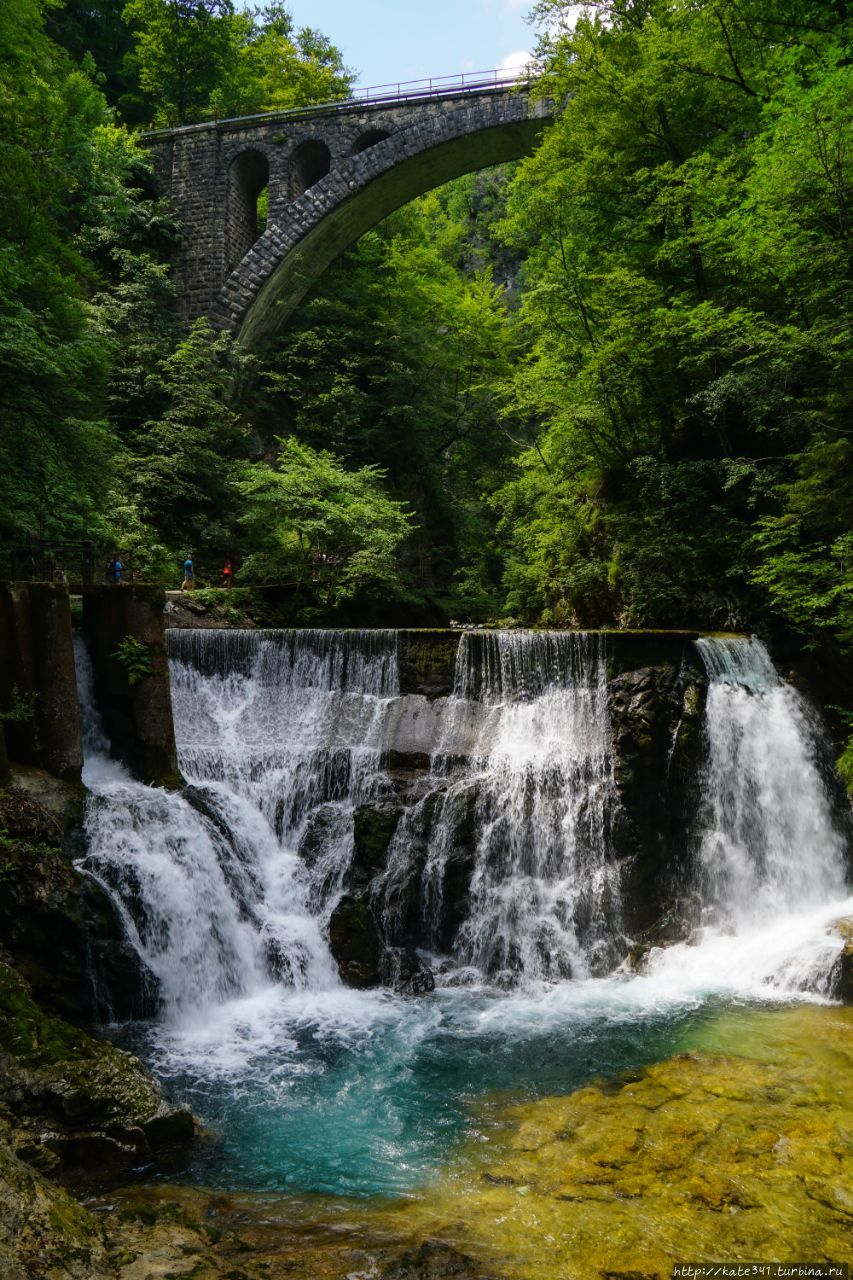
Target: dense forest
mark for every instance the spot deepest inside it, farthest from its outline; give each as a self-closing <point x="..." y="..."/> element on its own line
<point x="609" y="385"/>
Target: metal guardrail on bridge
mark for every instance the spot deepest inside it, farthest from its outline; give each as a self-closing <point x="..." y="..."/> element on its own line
<point x="438" y="86"/>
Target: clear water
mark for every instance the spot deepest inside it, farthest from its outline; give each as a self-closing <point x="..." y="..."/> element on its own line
<point x="227" y="889"/>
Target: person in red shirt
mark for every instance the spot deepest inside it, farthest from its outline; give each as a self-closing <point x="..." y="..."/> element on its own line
<point x="227" y="574"/>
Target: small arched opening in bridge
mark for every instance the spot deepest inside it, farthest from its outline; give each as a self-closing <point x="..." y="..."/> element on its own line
<point x="310" y="162"/>
<point x="369" y="139"/>
<point x="248" y="181"/>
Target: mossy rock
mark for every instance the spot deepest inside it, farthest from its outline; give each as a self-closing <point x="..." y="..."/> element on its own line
<point x="43" y="1231"/>
<point x="91" y="1104"/>
<point x="373" y="830"/>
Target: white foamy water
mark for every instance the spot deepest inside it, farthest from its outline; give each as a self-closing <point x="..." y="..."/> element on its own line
<point x="771" y="864"/>
<point x="523" y="822"/>
<point x="502" y="859"/>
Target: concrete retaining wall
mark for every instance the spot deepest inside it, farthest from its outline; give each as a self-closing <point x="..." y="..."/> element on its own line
<point x="37" y="669"/>
<point x="135" y="703"/>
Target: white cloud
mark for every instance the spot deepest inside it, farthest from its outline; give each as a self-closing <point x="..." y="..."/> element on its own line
<point x="515" y="61"/>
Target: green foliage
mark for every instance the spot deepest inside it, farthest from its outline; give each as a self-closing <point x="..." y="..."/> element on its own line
<point x="52" y="371"/>
<point x="310" y="522"/>
<point x="611" y="385"/>
<point x="687" y="306"/>
<point x="135" y="658"/>
<point x="397" y="361"/>
<point x="22" y="706"/>
<point x="177" y="465"/>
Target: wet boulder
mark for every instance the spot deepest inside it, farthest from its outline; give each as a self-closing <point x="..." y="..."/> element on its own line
<point x="657" y="715"/>
<point x="59" y="926"/>
<point x="842" y="974"/>
<point x="355" y="943"/>
<point x="80" y="1106"/>
<point x="374" y="826"/>
<point x="405" y="972"/>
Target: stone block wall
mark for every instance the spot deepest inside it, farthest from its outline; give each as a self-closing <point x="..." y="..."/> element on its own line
<point x="135" y="704"/>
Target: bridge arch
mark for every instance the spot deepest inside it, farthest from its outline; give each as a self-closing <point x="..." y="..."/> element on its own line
<point x="369" y="139"/>
<point x="310" y="163"/>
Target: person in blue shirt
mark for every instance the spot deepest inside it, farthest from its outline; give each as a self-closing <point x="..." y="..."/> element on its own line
<point x="189" y="575"/>
<point x="117" y="571"/>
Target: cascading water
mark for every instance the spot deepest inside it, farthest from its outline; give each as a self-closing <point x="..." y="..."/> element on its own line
<point x="769" y="843"/>
<point x="272" y="729"/>
<point x="524" y="819"/>
<point x="502" y="863"/>
<point x="771" y="860"/>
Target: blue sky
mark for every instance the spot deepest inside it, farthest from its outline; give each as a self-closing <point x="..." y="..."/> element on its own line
<point x="390" y="40"/>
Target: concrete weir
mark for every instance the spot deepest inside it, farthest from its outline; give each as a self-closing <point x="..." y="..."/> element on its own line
<point x="40" y="724"/>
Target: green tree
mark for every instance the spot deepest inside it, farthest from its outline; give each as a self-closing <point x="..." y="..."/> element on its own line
<point x="686" y="299"/>
<point x="183" y="51"/>
<point x="202" y="59"/>
<point x="179" y="467"/>
<point x="55" y="446"/>
<point x="398" y="361"/>
<point x="310" y="521"/>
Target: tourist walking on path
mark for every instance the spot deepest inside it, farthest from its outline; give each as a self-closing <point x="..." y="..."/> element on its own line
<point x="188" y="583"/>
<point x="227" y="573"/>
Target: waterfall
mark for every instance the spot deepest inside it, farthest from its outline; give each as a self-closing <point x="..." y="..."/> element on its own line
<point x="519" y="827"/>
<point x="502" y="866"/>
<point x="769" y="843"/>
<point x="273" y="729"/>
<point x="770" y="865"/>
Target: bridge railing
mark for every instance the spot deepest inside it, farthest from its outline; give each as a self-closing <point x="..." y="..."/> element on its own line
<point x="437" y="86"/>
<point x="375" y="95"/>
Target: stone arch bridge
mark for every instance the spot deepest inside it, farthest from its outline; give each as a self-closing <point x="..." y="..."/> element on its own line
<point x="330" y="174"/>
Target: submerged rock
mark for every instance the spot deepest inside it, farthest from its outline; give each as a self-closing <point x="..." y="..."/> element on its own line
<point x="711" y="1154"/>
<point x="435" y="1260"/>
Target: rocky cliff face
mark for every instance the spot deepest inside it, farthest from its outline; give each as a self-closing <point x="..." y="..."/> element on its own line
<point x="73" y="1109"/>
<point x="59" y="927"/>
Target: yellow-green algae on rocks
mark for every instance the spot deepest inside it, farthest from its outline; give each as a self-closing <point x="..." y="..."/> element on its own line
<point x="738" y="1149"/>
